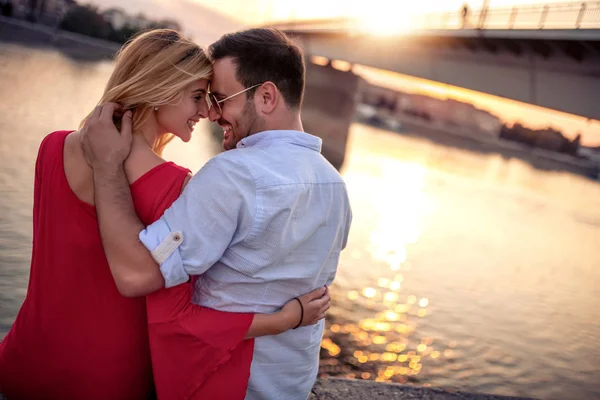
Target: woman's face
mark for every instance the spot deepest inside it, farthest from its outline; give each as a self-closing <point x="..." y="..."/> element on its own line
<point x="180" y="117"/>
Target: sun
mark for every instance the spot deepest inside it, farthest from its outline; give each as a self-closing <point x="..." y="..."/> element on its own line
<point x="390" y="20"/>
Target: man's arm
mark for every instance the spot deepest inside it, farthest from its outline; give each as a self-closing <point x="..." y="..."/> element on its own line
<point x="134" y="270"/>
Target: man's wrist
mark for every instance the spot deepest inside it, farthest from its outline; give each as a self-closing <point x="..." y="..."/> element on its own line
<point x="107" y="166"/>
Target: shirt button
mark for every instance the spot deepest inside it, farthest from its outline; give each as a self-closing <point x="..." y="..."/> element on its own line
<point x="176" y="237"/>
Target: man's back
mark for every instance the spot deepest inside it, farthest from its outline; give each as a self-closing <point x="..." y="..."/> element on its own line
<point x="288" y="242"/>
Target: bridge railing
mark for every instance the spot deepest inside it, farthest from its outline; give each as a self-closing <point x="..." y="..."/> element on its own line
<point x="585" y="15"/>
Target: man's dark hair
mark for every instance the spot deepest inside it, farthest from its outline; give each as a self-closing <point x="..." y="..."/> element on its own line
<point x="264" y="54"/>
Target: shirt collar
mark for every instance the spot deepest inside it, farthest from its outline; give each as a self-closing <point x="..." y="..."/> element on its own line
<point x="298" y="138"/>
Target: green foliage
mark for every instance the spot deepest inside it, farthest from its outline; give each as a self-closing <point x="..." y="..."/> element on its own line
<point x="86" y="20"/>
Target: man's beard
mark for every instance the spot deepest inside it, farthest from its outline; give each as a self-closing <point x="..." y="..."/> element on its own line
<point x="250" y="118"/>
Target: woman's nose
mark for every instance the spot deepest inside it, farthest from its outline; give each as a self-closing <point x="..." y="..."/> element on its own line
<point x="203" y="110"/>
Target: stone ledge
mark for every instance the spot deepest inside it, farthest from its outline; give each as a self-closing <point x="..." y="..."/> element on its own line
<point x="350" y="389"/>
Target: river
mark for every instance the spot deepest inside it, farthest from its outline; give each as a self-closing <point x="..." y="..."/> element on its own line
<point x="463" y="270"/>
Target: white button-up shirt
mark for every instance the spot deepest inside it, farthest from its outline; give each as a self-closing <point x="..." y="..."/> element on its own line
<point x="260" y="224"/>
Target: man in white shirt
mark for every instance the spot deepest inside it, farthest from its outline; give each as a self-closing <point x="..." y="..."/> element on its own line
<point x="259" y="224"/>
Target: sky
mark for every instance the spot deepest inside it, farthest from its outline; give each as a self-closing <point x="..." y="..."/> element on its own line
<point x="260" y="11"/>
<point x="252" y="12"/>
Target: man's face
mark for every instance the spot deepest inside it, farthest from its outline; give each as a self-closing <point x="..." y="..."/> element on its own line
<point x="238" y="113"/>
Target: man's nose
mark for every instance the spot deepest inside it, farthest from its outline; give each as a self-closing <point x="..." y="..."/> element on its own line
<point x="213" y="115"/>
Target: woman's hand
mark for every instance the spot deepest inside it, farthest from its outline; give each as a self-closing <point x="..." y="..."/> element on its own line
<point x="303" y="310"/>
<point x="307" y="309"/>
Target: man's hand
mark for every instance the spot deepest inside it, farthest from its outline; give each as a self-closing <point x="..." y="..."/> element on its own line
<point x="102" y="144"/>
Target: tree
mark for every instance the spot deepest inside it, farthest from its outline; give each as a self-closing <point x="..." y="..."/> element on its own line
<point x="86" y="20"/>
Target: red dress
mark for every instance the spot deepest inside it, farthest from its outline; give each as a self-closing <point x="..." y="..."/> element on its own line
<point x="76" y="337"/>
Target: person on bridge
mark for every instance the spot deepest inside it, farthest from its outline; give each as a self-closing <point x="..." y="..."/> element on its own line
<point x="76" y="336"/>
<point x="465" y="16"/>
<point x="257" y="224"/>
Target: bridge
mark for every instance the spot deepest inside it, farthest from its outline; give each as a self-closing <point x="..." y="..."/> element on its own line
<point x="547" y="55"/>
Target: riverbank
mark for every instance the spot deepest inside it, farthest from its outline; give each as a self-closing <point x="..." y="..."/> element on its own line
<point x="73" y="45"/>
<point x="461" y="138"/>
<point x="348" y="389"/>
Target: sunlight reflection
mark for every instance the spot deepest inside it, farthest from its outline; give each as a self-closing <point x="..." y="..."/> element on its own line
<point x="353" y="295"/>
<point x="382" y="344"/>
<point x="369" y="292"/>
<point x="400" y="207"/>
<point x="383" y="282"/>
<point x="390" y="297"/>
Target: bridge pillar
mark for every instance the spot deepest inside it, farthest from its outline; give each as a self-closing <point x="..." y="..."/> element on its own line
<point x="329" y="105"/>
<point x="328" y="108"/>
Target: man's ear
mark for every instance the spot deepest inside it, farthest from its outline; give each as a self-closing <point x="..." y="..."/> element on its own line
<point x="267" y="97"/>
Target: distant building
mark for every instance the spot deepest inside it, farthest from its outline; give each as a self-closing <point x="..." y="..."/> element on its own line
<point x="448" y="112"/>
<point x="47" y="12"/>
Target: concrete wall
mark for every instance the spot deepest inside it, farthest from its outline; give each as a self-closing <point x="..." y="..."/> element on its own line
<point x="558" y="82"/>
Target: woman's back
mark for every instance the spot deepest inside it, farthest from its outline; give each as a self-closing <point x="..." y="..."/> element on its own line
<point x="76" y="336"/>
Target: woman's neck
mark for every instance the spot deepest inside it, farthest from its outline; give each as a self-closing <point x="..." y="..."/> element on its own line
<point x="148" y="133"/>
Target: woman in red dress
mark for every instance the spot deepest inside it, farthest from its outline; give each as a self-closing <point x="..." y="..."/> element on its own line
<point x="76" y="336"/>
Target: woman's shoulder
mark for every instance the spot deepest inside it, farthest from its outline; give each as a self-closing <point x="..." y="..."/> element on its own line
<point x="53" y="141"/>
<point x="58" y="135"/>
<point x="158" y="184"/>
<point x="50" y="151"/>
<point x="143" y="164"/>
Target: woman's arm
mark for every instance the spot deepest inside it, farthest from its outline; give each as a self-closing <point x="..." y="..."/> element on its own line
<point x="303" y="310"/>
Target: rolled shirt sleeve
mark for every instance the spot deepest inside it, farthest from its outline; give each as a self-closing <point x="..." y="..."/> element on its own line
<point x="216" y="208"/>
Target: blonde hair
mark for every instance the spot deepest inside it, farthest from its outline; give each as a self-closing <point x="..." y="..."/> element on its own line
<point x="151" y="70"/>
